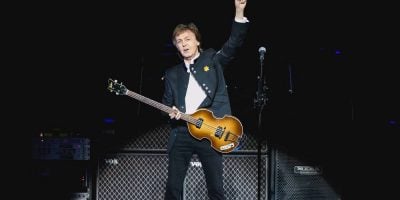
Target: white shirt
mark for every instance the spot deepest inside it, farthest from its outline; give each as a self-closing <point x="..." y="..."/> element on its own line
<point x="194" y="93"/>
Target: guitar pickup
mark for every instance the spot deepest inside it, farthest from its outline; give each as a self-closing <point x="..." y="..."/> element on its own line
<point x="219" y="132"/>
<point x="199" y="123"/>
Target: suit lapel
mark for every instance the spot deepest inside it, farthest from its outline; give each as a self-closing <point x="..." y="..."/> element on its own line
<point x="183" y="80"/>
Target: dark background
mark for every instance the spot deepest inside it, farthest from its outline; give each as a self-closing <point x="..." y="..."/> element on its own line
<point x="78" y="47"/>
<point x="342" y="73"/>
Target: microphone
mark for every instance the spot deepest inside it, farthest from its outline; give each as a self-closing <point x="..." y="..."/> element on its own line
<point x="262" y="51"/>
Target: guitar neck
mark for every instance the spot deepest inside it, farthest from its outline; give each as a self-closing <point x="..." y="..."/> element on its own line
<point x="159" y="106"/>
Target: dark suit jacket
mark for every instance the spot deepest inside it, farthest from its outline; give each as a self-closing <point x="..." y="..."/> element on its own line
<point x="208" y="71"/>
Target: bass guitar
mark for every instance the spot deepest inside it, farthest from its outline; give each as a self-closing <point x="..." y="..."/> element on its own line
<point x="223" y="133"/>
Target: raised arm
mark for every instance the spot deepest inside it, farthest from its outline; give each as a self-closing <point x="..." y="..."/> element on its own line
<point x="239" y="8"/>
<point x="237" y="36"/>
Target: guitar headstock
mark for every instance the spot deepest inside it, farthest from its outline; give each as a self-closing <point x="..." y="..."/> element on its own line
<point x="116" y="87"/>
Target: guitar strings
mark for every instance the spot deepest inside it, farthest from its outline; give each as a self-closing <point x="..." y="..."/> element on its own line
<point x="165" y="108"/>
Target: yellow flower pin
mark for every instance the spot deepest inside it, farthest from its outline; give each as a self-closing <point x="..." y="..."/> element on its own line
<point x="206" y="68"/>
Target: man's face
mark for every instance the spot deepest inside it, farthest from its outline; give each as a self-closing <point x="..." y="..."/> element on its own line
<point x="187" y="44"/>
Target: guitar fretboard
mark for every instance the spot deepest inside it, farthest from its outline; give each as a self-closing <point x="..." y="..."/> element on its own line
<point x="159" y="106"/>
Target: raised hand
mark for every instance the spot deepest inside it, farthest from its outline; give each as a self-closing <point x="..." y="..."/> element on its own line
<point x="240" y="5"/>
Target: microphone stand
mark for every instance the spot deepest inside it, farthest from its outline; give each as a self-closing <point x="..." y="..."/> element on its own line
<point x="260" y="102"/>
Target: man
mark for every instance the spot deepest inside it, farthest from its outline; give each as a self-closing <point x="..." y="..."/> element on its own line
<point x="198" y="82"/>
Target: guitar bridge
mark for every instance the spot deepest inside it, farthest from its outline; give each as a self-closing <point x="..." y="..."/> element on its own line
<point x="219" y="132"/>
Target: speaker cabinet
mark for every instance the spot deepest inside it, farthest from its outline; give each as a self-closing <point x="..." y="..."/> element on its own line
<point x="241" y="178"/>
<point x="298" y="176"/>
<point x="131" y="176"/>
<point x="143" y="176"/>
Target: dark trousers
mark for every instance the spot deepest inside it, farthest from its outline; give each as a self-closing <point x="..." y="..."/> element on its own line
<point x="179" y="155"/>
